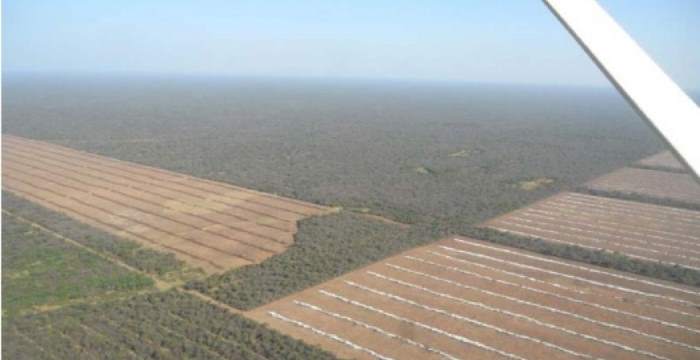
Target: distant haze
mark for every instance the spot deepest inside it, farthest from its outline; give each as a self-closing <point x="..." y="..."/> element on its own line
<point x="515" y="41"/>
<point x="415" y="150"/>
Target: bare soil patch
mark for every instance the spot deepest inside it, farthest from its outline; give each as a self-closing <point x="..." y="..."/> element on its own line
<point x="660" y="185"/>
<point x="644" y="231"/>
<point x="462" y="298"/>
<point x="211" y="225"/>
<point x="663" y="160"/>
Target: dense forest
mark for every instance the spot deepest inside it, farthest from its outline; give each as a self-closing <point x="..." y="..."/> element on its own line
<point x="324" y="247"/>
<point x="329" y="246"/>
<point x="436" y="158"/>
<point x="413" y="152"/>
<point x="170" y="325"/>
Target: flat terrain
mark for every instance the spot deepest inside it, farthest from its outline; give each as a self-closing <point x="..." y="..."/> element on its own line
<point x="462" y="298"/>
<point x="136" y="172"/>
<point x="325" y="247"/>
<point x="170" y="325"/>
<point x="156" y="264"/>
<point x="415" y="152"/>
<point x="644" y="231"/>
<point x="211" y="225"/>
<point x="41" y="271"/>
<point x="652" y="184"/>
<point x="663" y="160"/>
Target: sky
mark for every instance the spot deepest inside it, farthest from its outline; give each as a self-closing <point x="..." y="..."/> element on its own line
<point x="504" y="41"/>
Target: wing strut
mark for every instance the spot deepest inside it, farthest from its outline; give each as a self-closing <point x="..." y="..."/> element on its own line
<point x="662" y="103"/>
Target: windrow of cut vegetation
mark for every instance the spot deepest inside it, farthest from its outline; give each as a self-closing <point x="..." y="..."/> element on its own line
<point x="640" y="198"/>
<point x="461" y="298"/>
<point x="677" y="188"/>
<point x="612" y="260"/>
<point x="405" y="166"/>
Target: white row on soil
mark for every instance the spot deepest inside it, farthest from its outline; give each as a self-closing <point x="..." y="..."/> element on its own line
<point x="462" y="298"/>
<point x="642" y="231"/>
<point x="650" y="183"/>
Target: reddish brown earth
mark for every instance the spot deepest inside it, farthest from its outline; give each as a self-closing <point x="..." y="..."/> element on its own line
<point x="663" y="160"/>
<point x="211" y="225"/>
<point x="645" y="231"/>
<point x="651" y="183"/>
<point x="467" y="299"/>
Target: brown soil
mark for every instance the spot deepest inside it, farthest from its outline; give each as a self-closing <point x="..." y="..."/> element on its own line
<point x="652" y="183"/>
<point x="211" y="225"/>
<point x="471" y="299"/>
<point x="650" y="232"/>
<point x="663" y="160"/>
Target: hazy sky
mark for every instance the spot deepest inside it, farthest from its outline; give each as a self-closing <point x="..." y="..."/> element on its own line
<point x="486" y="40"/>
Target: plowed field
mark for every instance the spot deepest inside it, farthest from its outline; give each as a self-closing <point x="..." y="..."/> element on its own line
<point x="468" y="299"/>
<point x="645" y="231"/>
<point x="663" y="160"/>
<point x="650" y="183"/>
<point x="211" y="225"/>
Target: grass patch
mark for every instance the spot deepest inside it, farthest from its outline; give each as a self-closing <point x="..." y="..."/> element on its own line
<point x="534" y="184"/>
<point x="424" y="170"/>
<point x="659" y="168"/>
<point x="42" y="271"/>
<point x="161" y="264"/>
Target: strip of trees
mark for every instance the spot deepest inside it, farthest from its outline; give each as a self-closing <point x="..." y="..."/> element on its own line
<point x="170" y="325"/>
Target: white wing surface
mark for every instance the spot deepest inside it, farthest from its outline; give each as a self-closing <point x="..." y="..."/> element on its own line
<point x="655" y="96"/>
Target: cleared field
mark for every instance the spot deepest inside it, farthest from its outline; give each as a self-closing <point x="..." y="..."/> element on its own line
<point x="644" y="231"/>
<point x="463" y="298"/>
<point x="650" y="183"/>
<point x="354" y="144"/>
<point x="325" y="247"/>
<point x="211" y="225"/>
<point x="663" y="160"/>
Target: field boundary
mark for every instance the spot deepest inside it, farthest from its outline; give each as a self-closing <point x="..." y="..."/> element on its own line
<point x="638" y="198"/>
<point x="335" y="278"/>
<point x="658" y="168"/>
<point x="401" y="308"/>
<point x="211" y="225"/>
<point x="211" y="301"/>
<point x="612" y="260"/>
<point x="585" y="253"/>
<point x="173" y="173"/>
<point x="158" y="283"/>
<point x="649" y="185"/>
<point x="383" y="219"/>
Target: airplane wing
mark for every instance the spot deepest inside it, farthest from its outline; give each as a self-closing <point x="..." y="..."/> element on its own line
<point x="655" y="96"/>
